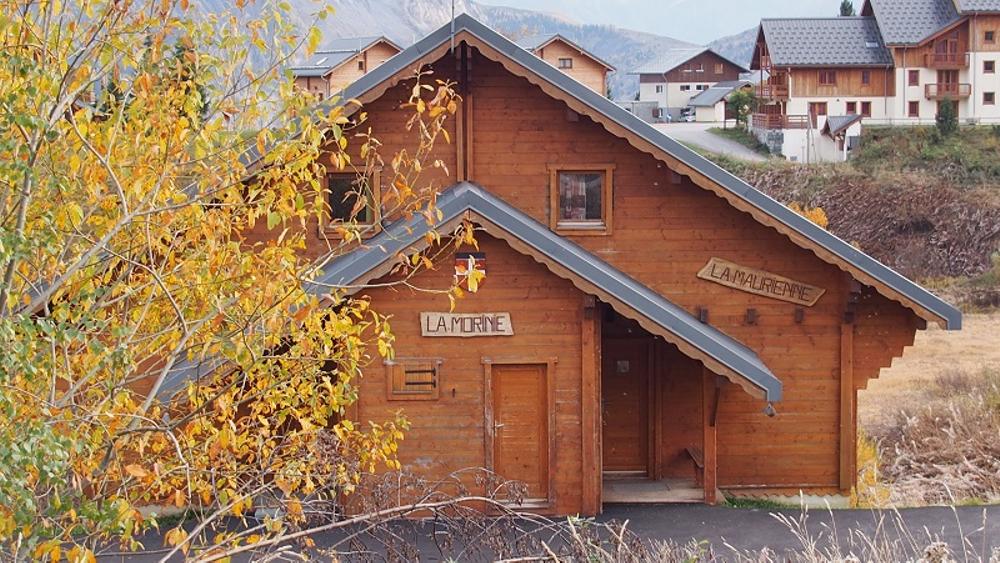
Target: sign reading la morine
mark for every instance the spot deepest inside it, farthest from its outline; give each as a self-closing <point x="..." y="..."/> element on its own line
<point x="466" y="325"/>
<point x="760" y="282"/>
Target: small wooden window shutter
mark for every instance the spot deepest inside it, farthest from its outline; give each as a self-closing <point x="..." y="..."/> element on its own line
<point x="413" y="379"/>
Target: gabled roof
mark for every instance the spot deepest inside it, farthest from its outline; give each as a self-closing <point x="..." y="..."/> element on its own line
<point x="836" y="124"/>
<point x="337" y="52"/>
<point x="566" y="259"/>
<point x="703" y="172"/>
<point x="839" y="41"/>
<point x="540" y="41"/>
<point x="716" y="93"/>
<point x="978" y="6"/>
<point x="670" y="59"/>
<point x="909" y="22"/>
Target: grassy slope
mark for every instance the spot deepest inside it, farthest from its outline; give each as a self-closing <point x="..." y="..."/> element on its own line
<point x="742" y="137"/>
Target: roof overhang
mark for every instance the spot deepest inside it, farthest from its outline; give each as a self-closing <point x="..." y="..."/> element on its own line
<point x="590" y="274"/>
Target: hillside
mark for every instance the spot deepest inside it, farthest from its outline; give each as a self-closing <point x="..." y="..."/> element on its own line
<point x="737" y="47"/>
<point x="405" y="21"/>
<point x="927" y="207"/>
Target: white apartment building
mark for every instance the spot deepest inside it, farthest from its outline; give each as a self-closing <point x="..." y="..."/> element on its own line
<point x="678" y="75"/>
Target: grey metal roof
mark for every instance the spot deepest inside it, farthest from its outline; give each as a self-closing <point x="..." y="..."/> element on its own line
<point x="670" y="59"/>
<point x="907" y="22"/>
<point x="715" y="94"/>
<point x="337" y="52"/>
<point x="822" y="238"/>
<point x="654" y="307"/>
<point x="837" y="123"/>
<point x="839" y="41"/>
<point x="535" y="42"/>
<point x="970" y="6"/>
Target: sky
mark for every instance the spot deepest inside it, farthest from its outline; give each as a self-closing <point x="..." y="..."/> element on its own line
<point x="697" y="21"/>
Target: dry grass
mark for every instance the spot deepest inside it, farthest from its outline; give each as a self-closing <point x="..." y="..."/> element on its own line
<point x="935" y="416"/>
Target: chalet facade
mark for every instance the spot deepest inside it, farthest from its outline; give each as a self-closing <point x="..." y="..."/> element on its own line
<point x="345" y="60"/>
<point x="648" y="325"/>
<point x="678" y="75"/>
<point x="570" y="58"/>
<point x="892" y="65"/>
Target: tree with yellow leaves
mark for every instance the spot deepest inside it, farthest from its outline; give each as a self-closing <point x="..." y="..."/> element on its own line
<point x="141" y="143"/>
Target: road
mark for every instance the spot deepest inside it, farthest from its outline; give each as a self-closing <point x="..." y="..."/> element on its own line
<point x="699" y="134"/>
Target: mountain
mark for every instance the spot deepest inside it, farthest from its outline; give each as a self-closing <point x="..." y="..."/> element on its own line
<point x="406" y="21"/>
<point x="737" y="47"/>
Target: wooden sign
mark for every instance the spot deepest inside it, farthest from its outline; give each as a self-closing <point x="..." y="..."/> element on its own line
<point x="465" y="325"/>
<point x="760" y="282"/>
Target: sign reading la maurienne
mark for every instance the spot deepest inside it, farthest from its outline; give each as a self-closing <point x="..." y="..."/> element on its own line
<point x="466" y="325"/>
<point x="760" y="282"/>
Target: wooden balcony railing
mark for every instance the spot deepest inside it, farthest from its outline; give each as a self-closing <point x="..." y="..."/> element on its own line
<point x="942" y="90"/>
<point x="779" y="121"/>
<point x="772" y="91"/>
<point x="946" y="60"/>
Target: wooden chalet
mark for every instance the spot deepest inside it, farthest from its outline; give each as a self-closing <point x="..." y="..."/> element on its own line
<point x="570" y="58"/>
<point x="650" y="327"/>
<point x="342" y="62"/>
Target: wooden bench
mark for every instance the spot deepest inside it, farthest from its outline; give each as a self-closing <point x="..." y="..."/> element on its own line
<point x="699" y="463"/>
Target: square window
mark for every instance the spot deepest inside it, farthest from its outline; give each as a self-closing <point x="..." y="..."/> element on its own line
<point x="989" y="37"/>
<point x="914" y="78"/>
<point x="914" y="109"/>
<point x="413" y="379"/>
<point x="581" y="198"/>
<point x="989" y="98"/>
<point x="866" y="109"/>
<point x="852" y="108"/>
<point x="866" y="77"/>
<point x="989" y="67"/>
<point x="659" y="88"/>
<point x="351" y="197"/>
<point x="827" y="78"/>
<point x="719" y="68"/>
<point x="565" y="63"/>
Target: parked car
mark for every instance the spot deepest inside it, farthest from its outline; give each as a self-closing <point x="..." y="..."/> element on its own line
<point x="687" y="114"/>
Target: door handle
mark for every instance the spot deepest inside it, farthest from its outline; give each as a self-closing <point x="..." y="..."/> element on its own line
<point x="497" y="426"/>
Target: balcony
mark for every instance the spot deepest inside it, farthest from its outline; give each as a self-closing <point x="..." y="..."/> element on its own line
<point x="946" y="60"/>
<point x="774" y="92"/>
<point x="779" y="121"/>
<point x="942" y="90"/>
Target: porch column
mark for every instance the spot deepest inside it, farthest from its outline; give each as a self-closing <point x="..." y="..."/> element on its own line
<point x="590" y="415"/>
<point x="710" y="405"/>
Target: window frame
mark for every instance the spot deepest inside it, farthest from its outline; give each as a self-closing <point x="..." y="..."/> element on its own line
<point x="685" y="87"/>
<point x="658" y="89"/>
<point x="866" y="78"/>
<point x="851" y="108"/>
<point x="913" y="78"/>
<point x="330" y="229"/>
<point x="992" y="98"/>
<point x="991" y="68"/>
<point x="909" y="110"/>
<point x="392" y="394"/>
<point x="989" y="36"/>
<point x="361" y="65"/>
<point x="866" y="109"/>
<point x="720" y="68"/>
<point x="562" y="60"/>
<point x="589" y="228"/>
<point x="830" y="74"/>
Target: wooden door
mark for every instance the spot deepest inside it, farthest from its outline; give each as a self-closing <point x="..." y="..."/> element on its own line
<point x="816" y="109"/>
<point x="521" y="426"/>
<point x="625" y="402"/>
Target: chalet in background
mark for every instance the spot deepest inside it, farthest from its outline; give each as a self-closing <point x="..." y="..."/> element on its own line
<point x="343" y="61"/>
<point x="893" y="65"/>
<point x="650" y="328"/>
<point x="678" y="75"/>
<point x="570" y="58"/>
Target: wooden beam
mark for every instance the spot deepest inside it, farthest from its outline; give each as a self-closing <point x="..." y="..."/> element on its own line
<point x="590" y="427"/>
<point x="709" y="445"/>
<point x="848" y="428"/>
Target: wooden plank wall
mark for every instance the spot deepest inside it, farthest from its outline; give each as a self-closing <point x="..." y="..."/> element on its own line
<point x="585" y="69"/>
<point x="981" y="23"/>
<point x="448" y="434"/>
<point x="805" y="83"/>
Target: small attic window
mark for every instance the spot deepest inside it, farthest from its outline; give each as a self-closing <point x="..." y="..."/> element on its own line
<point x="872" y="44"/>
<point x="565" y="63"/>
